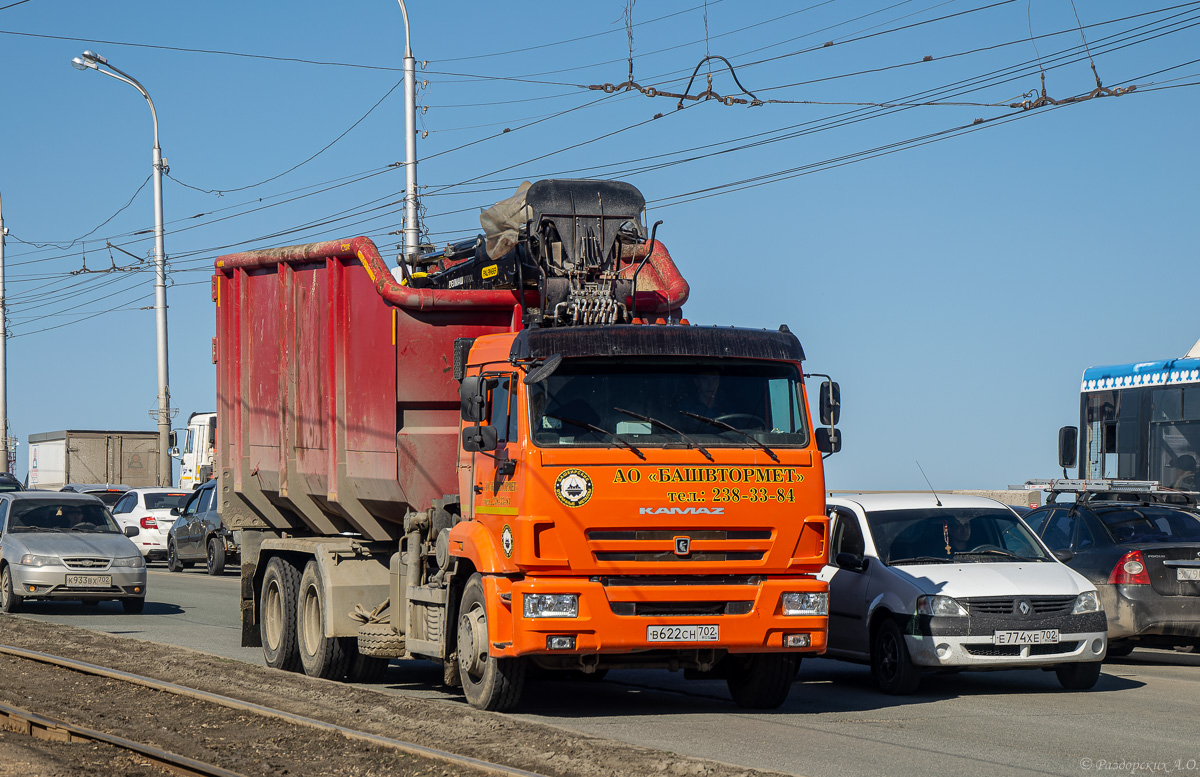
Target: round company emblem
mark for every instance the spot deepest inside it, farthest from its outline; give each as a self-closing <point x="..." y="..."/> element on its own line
<point x="573" y="487"/>
<point x="506" y="541"/>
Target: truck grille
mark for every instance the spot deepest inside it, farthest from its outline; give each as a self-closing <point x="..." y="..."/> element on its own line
<point x="659" y="609"/>
<point x="86" y="563"/>
<point x="1007" y="605"/>
<point x="655" y="545"/>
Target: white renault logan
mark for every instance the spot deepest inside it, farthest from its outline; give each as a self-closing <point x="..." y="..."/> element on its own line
<point x="924" y="582"/>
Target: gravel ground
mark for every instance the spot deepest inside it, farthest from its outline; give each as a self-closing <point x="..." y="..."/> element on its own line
<point x="253" y="745"/>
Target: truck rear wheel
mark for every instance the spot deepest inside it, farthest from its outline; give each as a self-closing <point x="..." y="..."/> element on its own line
<point x="761" y="681"/>
<point x="488" y="683"/>
<point x="321" y="656"/>
<point x="277" y="615"/>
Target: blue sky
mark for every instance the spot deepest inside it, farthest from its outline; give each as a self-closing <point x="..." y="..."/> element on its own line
<point x="956" y="288"/>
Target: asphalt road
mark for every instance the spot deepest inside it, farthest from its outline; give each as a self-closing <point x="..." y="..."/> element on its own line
<point x="1142" y="718"/>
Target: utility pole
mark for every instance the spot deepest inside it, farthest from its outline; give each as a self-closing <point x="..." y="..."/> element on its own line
<point x="412" y="232"/>
<point x="3" y="355"/>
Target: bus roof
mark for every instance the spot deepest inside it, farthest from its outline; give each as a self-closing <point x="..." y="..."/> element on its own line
<point x="1169" y="371"/>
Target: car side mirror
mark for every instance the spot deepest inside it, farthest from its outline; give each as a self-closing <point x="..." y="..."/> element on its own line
<point x="829" y="439"/>
<point x="830" y="403"/>
<point x="132" y="531"/>
<point x="1068" y="446"/>
<point x="480" y="438"/>
<point x="1064" y="555"/>
<point x="472" y="397"/>
<point x="850" y="561"/>
<point x="176" y="511"/>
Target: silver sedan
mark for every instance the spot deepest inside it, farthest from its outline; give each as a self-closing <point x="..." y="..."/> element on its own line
<point x="54" y="545"/>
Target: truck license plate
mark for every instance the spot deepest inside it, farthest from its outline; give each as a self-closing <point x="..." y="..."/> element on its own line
<point x="689" y="633"/>
<point x="1188" y="573"/>
<point x="1039" y="637"/>
<point x="89" y="581"/>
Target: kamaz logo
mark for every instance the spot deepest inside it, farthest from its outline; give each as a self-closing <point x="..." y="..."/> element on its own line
<point x="681" y="511"/>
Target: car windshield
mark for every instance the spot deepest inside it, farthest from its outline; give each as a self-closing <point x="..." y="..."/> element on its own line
<point x="686" y="403"/>
<point x="31" y="516"/>
<point x="1149" y="524"/>
<point x="166" y="501"/>
<point x="958" y="534"/>
<point x="108" y="496"/>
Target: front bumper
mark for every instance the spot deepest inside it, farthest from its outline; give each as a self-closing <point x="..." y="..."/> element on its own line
<point x="51" y="583"/>
<point x="967" y="642"/>
<point x="749" y="616"/>
<point x="1140" y="611"/>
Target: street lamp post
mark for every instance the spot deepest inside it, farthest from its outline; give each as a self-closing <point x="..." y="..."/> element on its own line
<point x="411" y="231"/>
<point x="3" y="356"/>
<point x="90" y="60"/>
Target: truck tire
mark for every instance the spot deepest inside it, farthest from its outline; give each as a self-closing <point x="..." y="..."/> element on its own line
<point x="891" y="665"/>
<point x="1078" y="677"/>
<point x="488" y="683"/>
<point x="761" y="681"/>
<point x="380" y="640"/>
<point x="321" y="656"/>
<point x="277" y="615"/>
<point x="215" y="556"/>
<point x="10" y="601"/>
<point x="173" y="562"/>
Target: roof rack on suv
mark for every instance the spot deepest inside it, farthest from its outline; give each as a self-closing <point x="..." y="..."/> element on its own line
<point x="1111" y="489"/>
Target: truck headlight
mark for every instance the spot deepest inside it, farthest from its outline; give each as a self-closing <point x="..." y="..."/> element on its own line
<point x="30" y="560"/>
<point x="939" y="606"/>
<point x="551" y="606"/>
<point x="129" y="561"/>
<point x="1087" y="601"/>
<point x="805" y="603"/>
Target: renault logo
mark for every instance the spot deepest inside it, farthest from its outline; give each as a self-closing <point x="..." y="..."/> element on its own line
<point x="1024" y="607"/>
<point x="683" y="546"/>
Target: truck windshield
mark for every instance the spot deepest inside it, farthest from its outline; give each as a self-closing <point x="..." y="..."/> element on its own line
<point x="688" y="403"/>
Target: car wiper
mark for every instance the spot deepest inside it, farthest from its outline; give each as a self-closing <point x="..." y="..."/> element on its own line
<point x="602" y="430"/>
<point x="32" y="528"/>
<point x="920" y="560"/>
<point x="731" y="428"/>
<point x="990" y="551"/>
<point x="691" y="443"/>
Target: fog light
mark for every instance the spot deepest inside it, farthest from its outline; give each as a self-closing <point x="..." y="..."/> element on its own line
<point x="1097" y="646"/>
<point x="551" y="606"/>
<point x="797" y="640"/>
<point x="137" y="589"/>
<point x="560" y="643"/>
<point x="943" y="650"/>
<point x="805" y="603"/>
<point x="32" y="588"/>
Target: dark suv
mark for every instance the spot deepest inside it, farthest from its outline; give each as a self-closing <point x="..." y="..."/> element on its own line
<point x="1143" y="557"/>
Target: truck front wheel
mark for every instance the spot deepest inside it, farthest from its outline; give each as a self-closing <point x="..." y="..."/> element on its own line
<point x="320" y="655"/>
<point x="488" y="683"/>
<point x="761" y="681"/>
<point x="277" y="615"/>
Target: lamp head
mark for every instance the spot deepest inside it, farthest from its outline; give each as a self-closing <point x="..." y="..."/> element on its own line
<point x="93" y="57"/>
<point x="79" y="64"/>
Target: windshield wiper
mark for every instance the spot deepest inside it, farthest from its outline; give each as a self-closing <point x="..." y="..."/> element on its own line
<point x="602" y="430"/>
<point x="731" y="428"/>
<point x="691" y="443"/>
<point x="920" y="560"/>
<point x="32" y="528"/>
<point x="993" y="551"/>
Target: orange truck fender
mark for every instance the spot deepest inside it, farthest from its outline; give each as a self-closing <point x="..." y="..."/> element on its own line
<point x="474" y="542"/>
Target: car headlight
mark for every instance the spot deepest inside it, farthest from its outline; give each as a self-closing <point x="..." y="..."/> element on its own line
<point x="940" y="606"/>
<point x="30" y="560"/>
<point x="805" y="603"/>
<point x="1088" y="601"/>
<point x="551" y="606"/>
<point x="129" y="561"/>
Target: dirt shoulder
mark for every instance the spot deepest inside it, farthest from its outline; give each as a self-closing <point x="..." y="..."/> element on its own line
<point x="253" y="745"/>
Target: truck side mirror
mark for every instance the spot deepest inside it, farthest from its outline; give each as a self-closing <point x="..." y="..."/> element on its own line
<point x="173" y="439"/>
<point x="173" y="453"/>
<point x="480" y="438"/>
<point x="472" y="398"/>
<point x="831" y="403"/>
<point x="829" y="439"/>
<point x="1068" y="446"/>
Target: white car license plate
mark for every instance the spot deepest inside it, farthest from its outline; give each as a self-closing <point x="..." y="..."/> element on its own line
<point x="89" y="581"/>
<point x="1188" y="573"/>
<point x="689" y="633"/>
<point x="1040" y="637"/>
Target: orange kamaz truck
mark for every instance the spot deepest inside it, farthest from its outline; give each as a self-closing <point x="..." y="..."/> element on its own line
<point x="515" y="452"/>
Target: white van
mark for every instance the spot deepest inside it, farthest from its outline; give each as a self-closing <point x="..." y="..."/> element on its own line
<point x="925" y="581"/>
